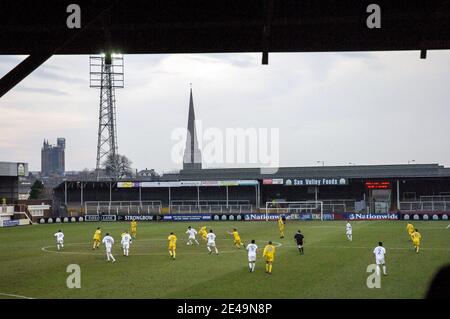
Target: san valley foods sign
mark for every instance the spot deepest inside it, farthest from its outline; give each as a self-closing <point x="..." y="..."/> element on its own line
<point x="315" y="181"/>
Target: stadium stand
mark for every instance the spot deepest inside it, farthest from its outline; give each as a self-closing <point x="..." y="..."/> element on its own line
<point x="347" y="189"/>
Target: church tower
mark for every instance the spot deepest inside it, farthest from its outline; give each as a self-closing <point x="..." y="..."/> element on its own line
<point x="192" y="156"/>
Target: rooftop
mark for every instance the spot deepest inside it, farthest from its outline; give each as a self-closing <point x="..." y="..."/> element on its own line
<point x="351" y="171"/>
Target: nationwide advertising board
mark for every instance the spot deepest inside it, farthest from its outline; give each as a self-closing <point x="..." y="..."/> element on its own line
<point x="260" y="217"/>
<point x="272" y="216"/>
<point x="369" y="216"/>
<point x="395" y="216"/>
<point x="334" y="216"/>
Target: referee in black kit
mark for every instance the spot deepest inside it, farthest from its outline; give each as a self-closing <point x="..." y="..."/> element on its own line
<point x="299" y="240"/>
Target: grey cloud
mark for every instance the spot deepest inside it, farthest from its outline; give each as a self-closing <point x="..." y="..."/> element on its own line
<point x="11" y="59"/>
<point x="239" y="60"/>
<point x="362" y="107"/>
<point x="47" y="91"/>
<point x="365" y="55"/>
<point x="57" y="76"/>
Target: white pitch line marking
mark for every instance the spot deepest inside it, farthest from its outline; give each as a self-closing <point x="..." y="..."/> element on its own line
<point x="15" y="296"/>
<point x="364" y="247"/>
<point x="46" y="249"/>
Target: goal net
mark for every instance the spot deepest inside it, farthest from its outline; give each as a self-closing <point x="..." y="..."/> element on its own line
<point x="301" y="210"/>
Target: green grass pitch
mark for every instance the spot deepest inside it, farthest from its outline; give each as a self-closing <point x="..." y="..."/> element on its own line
<point x="332" y="267"/>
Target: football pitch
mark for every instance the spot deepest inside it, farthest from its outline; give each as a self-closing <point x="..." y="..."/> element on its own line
<point x="332" y="266"/>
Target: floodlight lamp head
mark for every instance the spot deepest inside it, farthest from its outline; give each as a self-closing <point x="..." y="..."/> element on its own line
<point x="108" y="59"/>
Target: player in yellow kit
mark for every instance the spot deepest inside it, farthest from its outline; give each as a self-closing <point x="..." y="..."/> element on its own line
<point x="172" y="245"/>
<point x="133" y="227"/>
<point x="203" y="232"/>
<point x="281" y="226"/>
<point x="416" y="237"/>
<point x="237" y="239"/>
<point x="410" y="229"/>
<point x="269" y="256"/>
<point x="97" y="238"/>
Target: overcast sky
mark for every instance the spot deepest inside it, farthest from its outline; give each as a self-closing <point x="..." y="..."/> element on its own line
<point x="340" y="108"/>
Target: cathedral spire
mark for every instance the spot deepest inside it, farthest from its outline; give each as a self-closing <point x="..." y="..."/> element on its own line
<point x="192" y="156"/>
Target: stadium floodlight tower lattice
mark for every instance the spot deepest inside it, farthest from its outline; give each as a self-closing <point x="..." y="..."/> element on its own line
<point x="296" y="210"/>
<point x="107" y="74"/>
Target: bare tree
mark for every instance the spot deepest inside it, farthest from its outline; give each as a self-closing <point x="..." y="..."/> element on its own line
<point x="118" y="166"/>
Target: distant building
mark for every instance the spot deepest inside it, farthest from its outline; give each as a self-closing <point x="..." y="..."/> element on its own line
<point x="192" y="159"/>
<point x="10" y="176"/>
<point x="147" y="173"/>
<point x="53" y="158"/>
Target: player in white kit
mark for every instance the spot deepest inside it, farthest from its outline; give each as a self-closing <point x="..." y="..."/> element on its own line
<point x="348" y="231"/>
<point x="211" y="242"/>
<point x="108" y="241"/>
<point x="126" y="241"/>
<point x="252" y="250"/>
<point x="192" y="232"/>
<point x="379" y="253"/>
<point x="59" y="239"/>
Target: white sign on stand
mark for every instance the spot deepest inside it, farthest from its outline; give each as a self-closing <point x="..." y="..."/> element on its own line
<point x="37" y="210"/>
